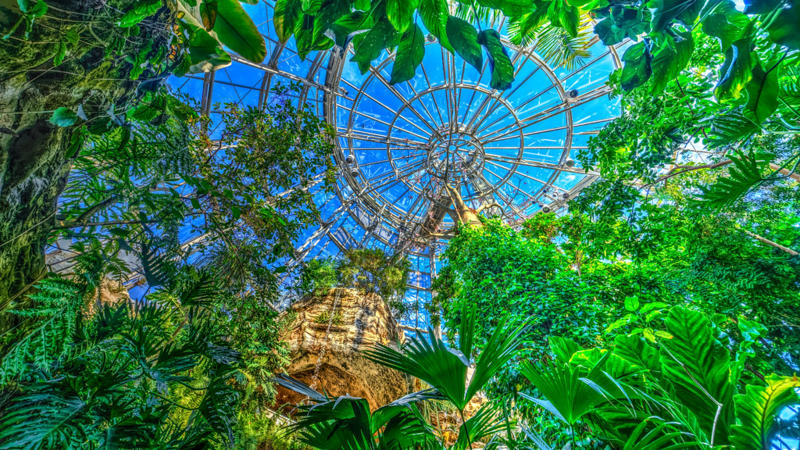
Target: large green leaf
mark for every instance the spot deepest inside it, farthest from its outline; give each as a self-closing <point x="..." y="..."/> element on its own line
<point x="510" y="8"/>
<point x="564" y="15"/>
<point x="236" y="30"/>
<point x="348" y="24"/>
<point x="758" y="408"/>
<point x="782" y="25"/>
<point x="747" y="172"/>
<point x="204" y="51"/>
<point x="736" y="71"/>
<point x="637" y="68"/>
<point x="63" y="117"/>
<point x="139" y="12"/>
<point x="432" y="361"/>
<point x="401" y="13"/>
<point x="762" y="93"/>
<point x="665" y="12"/>
<point x="464" y="38"/>
<point x="569" y="394"/>
<point x="373" y="43"/>
<point x="435" y="14"/>
<point x="697" y="367"/>
<point x="499" y="349"/>
<point x="669" y="59"/>
<point x="502" y="68"/>
<point x="726" y="24"/>
<point x="619" y="22"/>
<point x="285" y="17"/>
<point x="409" y="55"/>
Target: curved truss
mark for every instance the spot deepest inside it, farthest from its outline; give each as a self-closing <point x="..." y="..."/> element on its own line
<point x="409" y="152"/>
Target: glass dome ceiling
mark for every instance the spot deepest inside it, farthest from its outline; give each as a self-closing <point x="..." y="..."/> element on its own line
<point x="408" y="153"/>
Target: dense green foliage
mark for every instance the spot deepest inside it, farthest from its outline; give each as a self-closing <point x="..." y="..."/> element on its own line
<point x="346" y="422"/>
<point x="119" y="375"/>
<point x="368" y="270"/>
<point x="659" y="312"/>
<point x="682" y="389"/>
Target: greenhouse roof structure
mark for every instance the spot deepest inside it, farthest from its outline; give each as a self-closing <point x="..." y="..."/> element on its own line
<point x="412" y="156"/>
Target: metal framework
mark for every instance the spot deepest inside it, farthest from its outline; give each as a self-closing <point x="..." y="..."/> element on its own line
<point x="404" y="149"/>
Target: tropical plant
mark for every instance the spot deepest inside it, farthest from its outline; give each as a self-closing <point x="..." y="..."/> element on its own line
<point x="347" y="423"/>
<point x="122" y="374"/>
<point x="78" y="68"/>
<point x="431" y="360"/>
<point x="678" y="393"/>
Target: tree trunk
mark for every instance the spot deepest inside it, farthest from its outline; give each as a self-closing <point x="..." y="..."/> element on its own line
<point x="34" y="154"/>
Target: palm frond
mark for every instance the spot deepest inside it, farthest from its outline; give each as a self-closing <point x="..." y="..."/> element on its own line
<point x="554" y="44"/>
<point x="746" y="173"/>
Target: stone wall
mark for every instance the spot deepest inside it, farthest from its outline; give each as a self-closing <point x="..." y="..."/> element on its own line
<point x="328" y="341"/>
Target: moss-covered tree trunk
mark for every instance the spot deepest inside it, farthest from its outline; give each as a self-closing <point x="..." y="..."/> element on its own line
<point x="34" y="154"/>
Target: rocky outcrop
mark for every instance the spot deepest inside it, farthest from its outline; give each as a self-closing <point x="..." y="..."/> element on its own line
<point x="325" y="342"/>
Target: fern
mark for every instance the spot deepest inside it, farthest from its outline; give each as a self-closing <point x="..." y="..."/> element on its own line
<point x="49" y="323"/>
<point x="115" y="380"/>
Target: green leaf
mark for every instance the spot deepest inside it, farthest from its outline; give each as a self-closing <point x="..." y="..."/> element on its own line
<point x="620" y="22"/>
<point x="400" y="13"/>
<point x="637" y="68"/>
<point x="208" y="13"/>
<point x="618" y="323"/>
<point x="63" y="117"/>
<point x="631" y="303"/>
<point x="435" y="15"/>
<point x="564" y="15"/>
<point x="464" y="38"/>
<point x="373" y="43"/>
<point x="736" y="71"/>
<point x="782" y="25"/>
<point x="666" y="12"/>
<point x="669" y="59"/>
<point x="409" y="55"/>
<point x="762" y="93"/>
<point x="510" y="8"/>
<point x="236" y="29"/>
<point x="726" y="24"/>
<point x="344" y="27"/>
<point x="697" y="366"/>
<point x="285" y="17"/>
<point x="502" y="69"/>
<point x="141" y="11"/>
<point x="204" y="53"/>
<point x="563" y="348"/>
<point x="758" y="408"/>
<point x="745" y="173"/>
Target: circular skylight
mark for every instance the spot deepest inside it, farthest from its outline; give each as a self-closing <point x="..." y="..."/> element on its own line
<point x="409" y="153"/>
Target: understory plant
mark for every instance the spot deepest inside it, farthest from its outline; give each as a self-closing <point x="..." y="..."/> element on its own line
<point x="117" y="373"/>
<point x="683" y="391"/>
<point x="346" y="422"/>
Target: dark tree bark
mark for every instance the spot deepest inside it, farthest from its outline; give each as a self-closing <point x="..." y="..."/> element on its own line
<point x="34" y="154"/>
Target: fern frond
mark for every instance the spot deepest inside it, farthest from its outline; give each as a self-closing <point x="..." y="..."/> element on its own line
<point x="48" y="324"/>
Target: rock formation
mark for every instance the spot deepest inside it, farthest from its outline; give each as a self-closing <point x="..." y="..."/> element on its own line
<point x="325" y="339"/>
